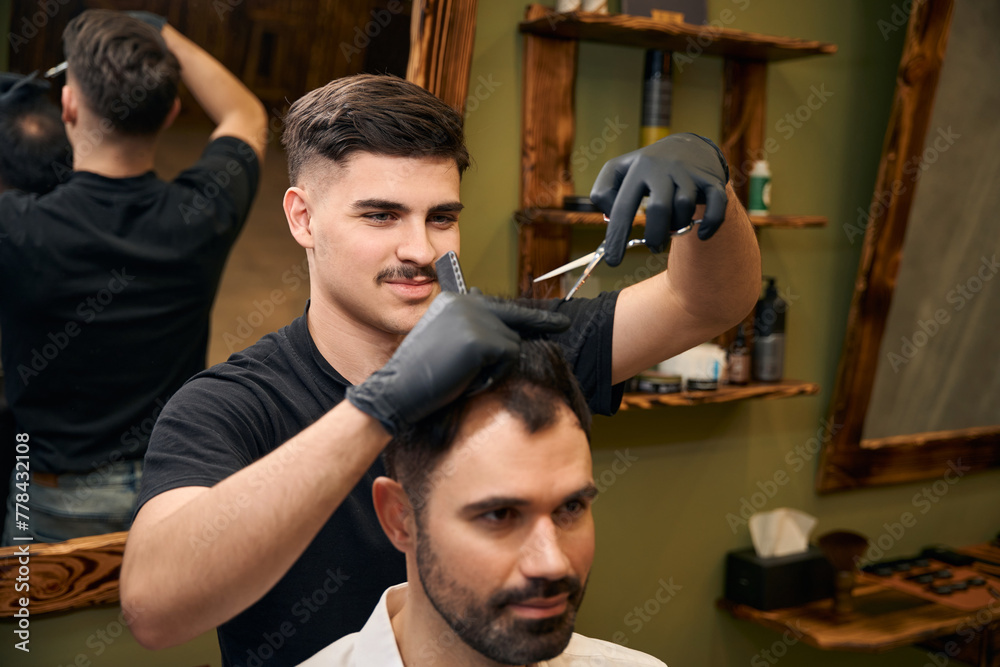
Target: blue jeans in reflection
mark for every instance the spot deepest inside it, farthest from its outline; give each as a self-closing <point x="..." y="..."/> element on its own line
<point x="74" y="504"/>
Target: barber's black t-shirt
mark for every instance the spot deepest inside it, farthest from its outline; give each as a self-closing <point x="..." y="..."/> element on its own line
<point x="106" y="285"/>
<point x="232" y="414"/>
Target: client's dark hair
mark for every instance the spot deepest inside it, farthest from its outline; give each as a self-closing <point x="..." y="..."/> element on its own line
<point x="530" y="390"/>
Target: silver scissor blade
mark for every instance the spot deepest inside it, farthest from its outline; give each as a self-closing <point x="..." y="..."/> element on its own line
<point x="598" y="256"/>
<point x="583" y="261"/>
<point x="575" y="264"/>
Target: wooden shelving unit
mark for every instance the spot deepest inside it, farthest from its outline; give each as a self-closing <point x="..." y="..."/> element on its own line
<point x="548" y="125"/>
<point x="548" y="122"/>
<point x="679" y="37"/>
<point x="724" y="394"/>
<point x="548" y="133"/>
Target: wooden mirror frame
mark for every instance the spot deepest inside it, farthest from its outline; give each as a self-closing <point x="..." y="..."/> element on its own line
<point x="442" y="34"/>
<point x="848" y="460"/>
<point x="84" y="572"/>
<point x="64" y="575"/>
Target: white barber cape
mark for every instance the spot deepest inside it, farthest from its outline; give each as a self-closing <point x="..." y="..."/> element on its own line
<point x="375" y="645"/>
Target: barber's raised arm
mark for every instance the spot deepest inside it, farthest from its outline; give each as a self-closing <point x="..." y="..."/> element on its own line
<point x="713" y="275"/>
<point x="235" y="110"/>
<point x="175" y="587"/>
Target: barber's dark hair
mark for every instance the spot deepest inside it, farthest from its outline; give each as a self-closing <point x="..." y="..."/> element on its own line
<point x="531" y="390"/>
<point x="35" y="155"/>
<point x="375" y="113"/>
<point x="123" y="68"/>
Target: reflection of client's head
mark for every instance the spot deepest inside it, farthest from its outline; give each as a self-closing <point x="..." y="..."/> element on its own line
<point x="34" y="150"/>
<point x="491" y="506"/>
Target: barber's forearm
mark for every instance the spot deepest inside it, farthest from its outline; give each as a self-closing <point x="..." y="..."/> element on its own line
<point x="210" y="559"/>
<point x="234" y="109"/>
<point x="719" y="279"/>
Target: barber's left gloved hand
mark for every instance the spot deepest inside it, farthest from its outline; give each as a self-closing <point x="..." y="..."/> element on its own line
<point x="677" y="173"/>
<point x="17" y="87"/>
<point x="152" y="19"/>
<point x="459" y="336"/>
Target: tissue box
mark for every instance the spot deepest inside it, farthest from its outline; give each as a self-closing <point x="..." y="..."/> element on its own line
<point x="782" y="581"/>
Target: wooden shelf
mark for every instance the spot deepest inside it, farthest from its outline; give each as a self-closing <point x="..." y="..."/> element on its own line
<point x="884" y="618"/>
<point x="557" y="216"/>
<point x="903" y="620"/>
<point x="682" y="38"/>
<point x="724" y="394"/>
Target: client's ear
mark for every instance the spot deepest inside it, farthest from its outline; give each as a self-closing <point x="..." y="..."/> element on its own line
<point x="395" y="514"/>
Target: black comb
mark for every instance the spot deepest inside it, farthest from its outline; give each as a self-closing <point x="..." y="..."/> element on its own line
<point x="449" y="273"/>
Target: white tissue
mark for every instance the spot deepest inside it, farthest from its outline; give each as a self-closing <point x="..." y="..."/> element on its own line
<point x="781" y="532"/>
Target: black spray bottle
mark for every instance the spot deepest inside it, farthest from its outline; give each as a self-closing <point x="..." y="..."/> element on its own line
<point x="769" y="336"/>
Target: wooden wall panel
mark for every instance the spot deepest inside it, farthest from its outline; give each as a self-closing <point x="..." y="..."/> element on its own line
<point x="548" y="129"/>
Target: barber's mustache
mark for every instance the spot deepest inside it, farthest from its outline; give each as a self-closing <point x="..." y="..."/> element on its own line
<point x="405" y="272"/>
<point x="540" y="588"/>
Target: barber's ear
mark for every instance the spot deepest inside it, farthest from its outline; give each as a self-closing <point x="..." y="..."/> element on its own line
<point x="392" y="506"/>
<point x="298" y="213"/>
<point x="69" y="105"/>
<point x="175" y="109"/>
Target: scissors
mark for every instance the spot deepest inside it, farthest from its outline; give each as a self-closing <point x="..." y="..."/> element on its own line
<point x="57" y="70"/>
<point x="593" y="259"/>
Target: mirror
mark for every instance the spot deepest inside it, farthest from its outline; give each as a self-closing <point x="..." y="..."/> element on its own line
<point x="917" y="393"/>
<point x="280" y="50"/>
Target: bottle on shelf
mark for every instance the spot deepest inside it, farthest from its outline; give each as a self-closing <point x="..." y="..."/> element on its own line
<point x="656" y="95"/>
<point x="760" y="189"/>
<point x="739" y="360"/>
<point x="769" y="336"/>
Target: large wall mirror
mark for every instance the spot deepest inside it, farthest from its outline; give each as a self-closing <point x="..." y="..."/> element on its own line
<point x="918" y="387"/>
<point x="283" y="48"/>
<point x="280" y="49"/>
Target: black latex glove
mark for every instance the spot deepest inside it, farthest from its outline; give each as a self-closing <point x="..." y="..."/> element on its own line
<point x="19" y="87"/>
<point x="458" y="336"/>
<point x="676" y="172"/>
<point x="152" y="19"/>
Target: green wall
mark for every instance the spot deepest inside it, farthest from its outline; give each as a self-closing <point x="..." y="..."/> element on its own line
<point x="663" y="517"/>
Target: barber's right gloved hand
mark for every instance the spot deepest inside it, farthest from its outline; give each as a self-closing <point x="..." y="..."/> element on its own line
<point x="458" y="336"/>
<point x="677" y="172"/>
<point x="152" y="19"/>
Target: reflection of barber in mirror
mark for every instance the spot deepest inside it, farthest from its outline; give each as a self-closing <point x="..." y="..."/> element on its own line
<point x="106" y="282"/>
<point x="490" y="501"/>
<point x="256" y="511"/>
<point x="32" y="140"/>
